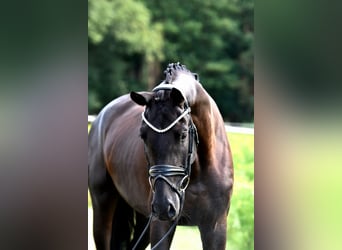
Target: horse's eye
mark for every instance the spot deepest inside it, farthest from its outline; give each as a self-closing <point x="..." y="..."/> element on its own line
<point x="181" y="135"/>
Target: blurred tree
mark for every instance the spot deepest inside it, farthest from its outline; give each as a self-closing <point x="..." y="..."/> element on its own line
<point x="130" y="42"/>
<point x="214" y="38"/>
<point x="122" y="44"/>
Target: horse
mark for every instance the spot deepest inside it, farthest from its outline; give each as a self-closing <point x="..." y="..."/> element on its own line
<point x="158" y="159"/>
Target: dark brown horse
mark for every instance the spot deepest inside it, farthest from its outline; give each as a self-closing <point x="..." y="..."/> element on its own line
<point x="146" y="166"/>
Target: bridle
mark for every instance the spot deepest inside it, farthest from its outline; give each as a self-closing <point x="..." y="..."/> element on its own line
<point x="164" y="171"/>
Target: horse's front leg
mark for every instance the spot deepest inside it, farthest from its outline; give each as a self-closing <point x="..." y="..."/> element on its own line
<point x="103" y="207"/>
<point x="213" y="233"/>
<point x="158" y="230"/>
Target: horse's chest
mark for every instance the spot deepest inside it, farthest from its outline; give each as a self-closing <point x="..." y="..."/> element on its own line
<point x="197" y="202"/>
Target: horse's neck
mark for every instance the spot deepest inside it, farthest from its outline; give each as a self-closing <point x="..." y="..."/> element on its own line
<point x="203" y="108"/>
<point x="205" y="115"/>
<point x="207" y="118"/>
<point x="198" y="99"/>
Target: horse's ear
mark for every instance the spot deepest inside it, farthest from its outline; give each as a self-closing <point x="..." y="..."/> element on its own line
<point x="177" y="97"/>
<point x="141" y="98"/>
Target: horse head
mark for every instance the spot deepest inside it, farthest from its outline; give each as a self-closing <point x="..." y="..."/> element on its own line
<point x="169" y="134"/>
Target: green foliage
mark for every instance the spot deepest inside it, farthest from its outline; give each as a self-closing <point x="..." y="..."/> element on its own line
<point x="131" y="42"/>
<point x="121" y="39"/>
<point x="128" y="21"/>
<point x="215" y="39"/>
<point x="241" y="216"/>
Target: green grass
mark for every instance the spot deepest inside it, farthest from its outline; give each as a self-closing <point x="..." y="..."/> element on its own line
<point x="240" y="234"/>
<point x="241" y="216"/>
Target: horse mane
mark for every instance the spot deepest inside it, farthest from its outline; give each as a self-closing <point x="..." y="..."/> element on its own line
<point x="177" y="75"/>
<point x="173" y="69"/>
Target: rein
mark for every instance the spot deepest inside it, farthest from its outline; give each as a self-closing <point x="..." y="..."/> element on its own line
<point x="164" y="171"/>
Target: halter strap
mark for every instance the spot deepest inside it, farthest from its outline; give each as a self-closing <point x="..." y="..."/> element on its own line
<point x="164" y="86"/>
<point x="187" y="111"/>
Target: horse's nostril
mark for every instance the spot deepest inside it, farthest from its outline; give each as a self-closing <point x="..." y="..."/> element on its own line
<point x="171" y="211"/>
<point x="167" y="212"/>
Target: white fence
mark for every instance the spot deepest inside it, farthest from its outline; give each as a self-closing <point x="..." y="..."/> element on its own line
<point x="239" y="130"/>
<point x="229" y="127"/>
<point x="91" y="118"/>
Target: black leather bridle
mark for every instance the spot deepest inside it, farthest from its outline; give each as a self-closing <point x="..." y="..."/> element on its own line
<point x="164" y="171"/>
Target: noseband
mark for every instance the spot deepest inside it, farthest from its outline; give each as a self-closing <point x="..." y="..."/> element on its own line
<point x="164" y="171"/>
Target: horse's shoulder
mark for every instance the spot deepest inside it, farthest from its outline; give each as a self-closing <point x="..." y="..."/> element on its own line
<point x="113" y="116"/>
<point x="117" y="106"/>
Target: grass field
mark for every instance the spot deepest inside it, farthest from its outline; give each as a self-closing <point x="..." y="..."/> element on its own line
<point x="240" y="234"/>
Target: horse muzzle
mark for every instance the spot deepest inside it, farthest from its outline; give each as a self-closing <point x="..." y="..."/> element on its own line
<point x="168" y="184"/>
<point x="168" y="211"/>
